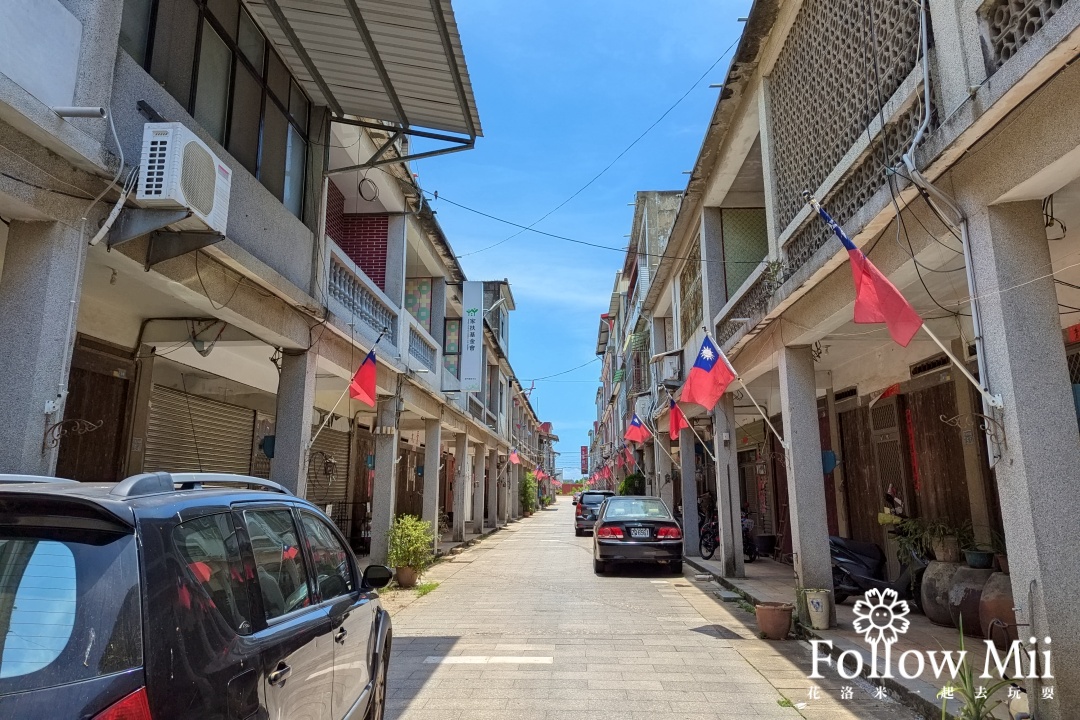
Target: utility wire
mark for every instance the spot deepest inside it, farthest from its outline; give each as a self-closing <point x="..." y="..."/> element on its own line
<point x="618" y="157"/>
<point x="564" y="372"/>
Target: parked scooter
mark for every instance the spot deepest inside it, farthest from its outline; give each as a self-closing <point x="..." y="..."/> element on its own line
<point x="859" y="566"/>
<point x="710" y="539"/>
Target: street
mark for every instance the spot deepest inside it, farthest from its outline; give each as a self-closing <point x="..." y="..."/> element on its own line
<point x="521" y="628"/>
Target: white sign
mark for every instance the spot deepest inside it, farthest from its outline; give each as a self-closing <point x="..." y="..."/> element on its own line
<point x="472" y="336"/>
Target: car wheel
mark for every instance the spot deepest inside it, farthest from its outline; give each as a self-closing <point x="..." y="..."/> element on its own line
<point x="676" y="567"/>
<point x="598" y="566"/>
<point x="378" y="697"/>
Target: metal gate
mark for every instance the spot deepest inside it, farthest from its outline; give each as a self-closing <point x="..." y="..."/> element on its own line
<point x="188" y="433"/>
<point x="328" y="475"/>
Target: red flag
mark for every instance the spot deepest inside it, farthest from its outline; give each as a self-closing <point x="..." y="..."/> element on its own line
<point x="676" y="421"/>
<point x="514" y="459"/>
<point x="637" y="432"/>
<point x="620" y="460"/>
<point x="629" y="457"/>
<point x="876" y="299"/>
<point x="709" y="378"/>
<point x="362" y="387"/>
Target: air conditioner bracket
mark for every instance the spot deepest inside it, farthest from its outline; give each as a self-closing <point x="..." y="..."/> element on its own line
<point x="133" y="223"/>
<point x="168" y="245"/>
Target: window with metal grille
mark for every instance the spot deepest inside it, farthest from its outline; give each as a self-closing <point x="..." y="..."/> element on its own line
<point x="690" y="294"/>
<point x="746" y="243"/>
<point x="929" y="365"/>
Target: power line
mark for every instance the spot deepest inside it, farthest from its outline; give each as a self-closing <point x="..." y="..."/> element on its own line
<point x="618" y="157"/>
<point x="564" y="372"/>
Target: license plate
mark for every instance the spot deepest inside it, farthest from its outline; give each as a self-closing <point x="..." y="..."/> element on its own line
<point x="640" y="532"/>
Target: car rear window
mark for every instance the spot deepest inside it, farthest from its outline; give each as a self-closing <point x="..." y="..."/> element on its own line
<point x="70" y="606"/>
<point x="637" y="509"/>
<point x="594" y="498"/>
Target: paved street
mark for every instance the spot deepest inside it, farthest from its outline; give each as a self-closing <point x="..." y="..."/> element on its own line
<point x="521" y="628"/>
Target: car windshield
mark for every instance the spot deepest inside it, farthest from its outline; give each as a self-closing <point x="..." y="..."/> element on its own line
<point x="594" y="498"/>
<point x="637" y="509"/>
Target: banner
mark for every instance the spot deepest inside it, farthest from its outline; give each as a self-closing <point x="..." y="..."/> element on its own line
<point x="584" y="459"/>
<point x="472" y="336"/>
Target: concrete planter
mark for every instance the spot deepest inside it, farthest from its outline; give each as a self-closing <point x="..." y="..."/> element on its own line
<point x="774" y="619"/>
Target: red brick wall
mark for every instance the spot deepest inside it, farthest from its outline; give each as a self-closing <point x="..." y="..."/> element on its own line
<point x="363" y="238"/>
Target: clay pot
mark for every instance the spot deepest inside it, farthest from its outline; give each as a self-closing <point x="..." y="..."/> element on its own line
<point x="406" y="577"/>
<point x="979" y="559"/>
<point x="964" y="598"/>
<point x="1002" y="562"/>
<point x="946" y="549"/>
<point x="774" y="619"/>
<point x="936" y="583"/>
<point x="996" y="604"/>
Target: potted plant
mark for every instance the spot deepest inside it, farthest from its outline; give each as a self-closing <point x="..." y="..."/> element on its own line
<point x="944" y="541"/>
<point x="774" y="619"/>
<point x="527" y="493"/>
<point x="1000" y="552"/>
<point x="410" y="550"/>
<point x="979" y="557"/>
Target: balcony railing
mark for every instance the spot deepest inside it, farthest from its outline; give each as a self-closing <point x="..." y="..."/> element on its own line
<point x="360" y="297"/>
<point x="422" y="349"/>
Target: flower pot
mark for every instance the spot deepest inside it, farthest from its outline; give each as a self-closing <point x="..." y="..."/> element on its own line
<point x="1002" y="562"/>
<point x="774" y="619"/>
<point x="979" y="559"/>
<point x="406" y="577"/>
<point x="819" y="606"/>
<point x="946" y="549"/>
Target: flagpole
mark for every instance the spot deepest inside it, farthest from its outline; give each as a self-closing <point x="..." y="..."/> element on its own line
<point x="992" y="400"/>
<point x="783" y="443"/>
<point x="330" y="414"/>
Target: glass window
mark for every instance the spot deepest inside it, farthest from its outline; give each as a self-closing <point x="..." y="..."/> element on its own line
<point x="272" y="162"/>
<point x="333" y="568"/>
<point x="298" y="105"/>
<point x="244" y="121"/>
<point x="251" y="42"/>
<point x="224" y="11"/>
<point x="279" y="79"/>
<point x="69" y="604"/>
<point x="212" y="88"/>
<point x="135" y="28"/>
<point x="636" y="508"/>
<point x="594" y="498"/>
<point x="295" y="165"/>
<point x="278" y="561"/>
<point x="173" y="51"/>
<point x="209" y="547"/>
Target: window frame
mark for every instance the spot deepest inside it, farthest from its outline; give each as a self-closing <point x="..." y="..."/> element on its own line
<point x="242" y="544"/>
<point x="350" y="559"/>
<point x="239" y="509"/>
<point x="302" y="126"/>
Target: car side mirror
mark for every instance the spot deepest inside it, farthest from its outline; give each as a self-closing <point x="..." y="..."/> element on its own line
<point x="377" y="576"/>
<point x="574" y="502"/>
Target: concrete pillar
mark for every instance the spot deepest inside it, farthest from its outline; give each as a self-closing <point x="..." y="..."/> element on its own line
<point x="727" y="487"/>
<point x="479" y="466"/>
<point x="687" y="462"/>
<point x="806" y="486"/>
<point x="515" y="493"/>
<point x="432" y="459"/>
<point x="461" y="483"/>
<point x="493" y="487"/>
<point x="648" y="460"/>
<point x="39" y="301"/>
<point x="1036" y="474"/>
<point x="664" y="482"/>
<point x="292" y="431"/>
<point x="384" y="500"/>
<point x="503" y="502"/>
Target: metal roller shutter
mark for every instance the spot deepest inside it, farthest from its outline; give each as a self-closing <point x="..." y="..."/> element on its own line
<point x="221" y="441"/>
<point x="328" y="483"/>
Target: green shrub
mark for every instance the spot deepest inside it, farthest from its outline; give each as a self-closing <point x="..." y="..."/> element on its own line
<point x="633" y="484"/>
<point x="411" y="543"/>
<point x="527" y="490"/>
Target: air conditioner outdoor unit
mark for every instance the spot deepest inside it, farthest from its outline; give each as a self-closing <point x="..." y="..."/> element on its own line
<point x="180" y="173"/>
<point x="671" y="368"/>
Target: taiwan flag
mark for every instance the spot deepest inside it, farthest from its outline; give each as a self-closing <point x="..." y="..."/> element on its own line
<point x="876" y="299"/>
<point x="514" y="459"/>
<point x="637" y="432"/>
<point x="362" y="387"/>
<point x="630" y="461"/>
<point x="676" y="421"/>
<point x="709" y="378"/>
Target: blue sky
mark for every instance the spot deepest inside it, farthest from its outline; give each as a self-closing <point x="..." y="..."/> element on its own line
<point x="562" y="89"/>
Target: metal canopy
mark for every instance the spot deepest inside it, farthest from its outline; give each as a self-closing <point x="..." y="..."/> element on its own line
<point x="399" y="62"/>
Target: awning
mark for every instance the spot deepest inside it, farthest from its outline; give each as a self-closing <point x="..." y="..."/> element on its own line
<point x="399" y="62"/>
